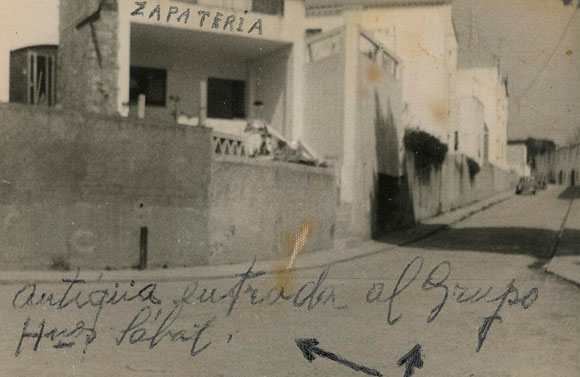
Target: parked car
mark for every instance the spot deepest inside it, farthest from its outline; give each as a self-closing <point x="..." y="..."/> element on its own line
<point x="526" y="186"/>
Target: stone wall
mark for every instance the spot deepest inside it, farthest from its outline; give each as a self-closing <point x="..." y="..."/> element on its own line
<point x="88" y="53"/>
<point x="76" y="190"/>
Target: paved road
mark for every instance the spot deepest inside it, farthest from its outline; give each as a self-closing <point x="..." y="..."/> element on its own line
<point x="449" y="289"/>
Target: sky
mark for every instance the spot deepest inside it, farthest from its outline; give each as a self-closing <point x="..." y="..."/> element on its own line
<point x="537" y="43"/>
<point x="538" y="46"/>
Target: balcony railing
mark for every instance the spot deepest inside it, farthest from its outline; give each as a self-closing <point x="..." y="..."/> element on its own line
<point x="228" y="145"/>
<point x="273" y="7"/>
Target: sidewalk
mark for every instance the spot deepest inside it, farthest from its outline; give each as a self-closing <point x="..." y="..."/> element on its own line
<point x="566" y="260"/>
<point x="308" y="261"/>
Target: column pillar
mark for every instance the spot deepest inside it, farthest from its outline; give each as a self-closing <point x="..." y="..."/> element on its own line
<point x="347" y="180"/>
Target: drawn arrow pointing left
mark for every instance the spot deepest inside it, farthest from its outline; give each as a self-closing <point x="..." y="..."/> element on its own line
<point x="309" y="350"/>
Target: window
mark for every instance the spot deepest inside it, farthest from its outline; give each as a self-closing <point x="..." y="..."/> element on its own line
<point x="151" y="82"/>
<point x="275" y="7"/>
<point x="42" y="81"/>
<point x="226" y="99"/>
<point x="311" y="32"/>
<point x="33" y="77"/>
<point x="324" y="48"/>
<point x="456" y="144"/>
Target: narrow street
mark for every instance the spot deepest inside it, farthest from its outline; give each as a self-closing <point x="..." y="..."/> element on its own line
<point x="451" y="298"/>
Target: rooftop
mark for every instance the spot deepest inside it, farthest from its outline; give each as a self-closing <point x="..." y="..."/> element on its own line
<point x="337" y="6"/>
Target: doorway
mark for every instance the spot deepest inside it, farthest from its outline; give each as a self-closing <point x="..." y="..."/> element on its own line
<point x="226" y="99"/>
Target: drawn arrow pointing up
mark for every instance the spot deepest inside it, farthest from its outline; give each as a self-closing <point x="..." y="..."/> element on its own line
<point x="411" y="361"/>
<point x="309" y="349"/>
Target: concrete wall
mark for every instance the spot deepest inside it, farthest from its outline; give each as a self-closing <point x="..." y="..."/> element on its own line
<point x="379" y="144"/>
<point x="323" y="105"/>
<point x="76" y="190"/>
<point x="450" y="186"/>
<point x="259" y="208"/>
<point x="353" y="117"/>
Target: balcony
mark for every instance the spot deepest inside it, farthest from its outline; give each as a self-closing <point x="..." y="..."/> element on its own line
<point x="229" y="145"/>
<point x="271" y="7"/>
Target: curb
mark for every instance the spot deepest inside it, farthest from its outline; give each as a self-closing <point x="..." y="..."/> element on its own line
<point x="560" y="277"/>
<point x="225" y="271"/>
<point x="556" y="243"/>
<point x="554" y="250"/>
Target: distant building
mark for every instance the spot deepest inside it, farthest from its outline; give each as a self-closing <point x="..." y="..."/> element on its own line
<point x="482" y="107"/>
<point x="518" y="159"/>
<point x="471" y="133"/>
<point x="561" y="166"/>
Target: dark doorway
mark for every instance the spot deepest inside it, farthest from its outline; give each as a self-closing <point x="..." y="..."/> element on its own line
<point x="226" y="99"/>
<point x="485" y="144"/>
<point x="573" y="178"/>
<point x="561" y="178"/>
<point x="152" y="82"/>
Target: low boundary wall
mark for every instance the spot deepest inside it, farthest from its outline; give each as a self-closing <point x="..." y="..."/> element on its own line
<point x="269" y="210"/>
<point x="76" y="190"/>
<point x="450" y="186"/>
<point x="89" y="191"/>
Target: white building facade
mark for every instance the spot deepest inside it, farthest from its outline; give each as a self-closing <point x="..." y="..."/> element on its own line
<point x="482" y="108"/>
<point x="421" y="34"/>
<point x="517" y="155"/>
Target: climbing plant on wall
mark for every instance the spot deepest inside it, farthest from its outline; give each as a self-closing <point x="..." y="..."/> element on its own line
<point x="473" y="167"/>
<point x="428" y="151"/>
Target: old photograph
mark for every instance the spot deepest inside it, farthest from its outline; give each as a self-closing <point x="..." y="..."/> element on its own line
<point x="290" y="188"/>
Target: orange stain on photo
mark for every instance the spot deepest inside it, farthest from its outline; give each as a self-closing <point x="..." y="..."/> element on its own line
<point x="374" y="73"/>
<point x="438" y="112"/>
<point x="294" y="244"/>
<point x="362" y="92"/>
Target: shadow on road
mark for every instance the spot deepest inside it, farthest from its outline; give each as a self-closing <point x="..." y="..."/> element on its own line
<point x="524" y="241"/>
<point x="571" y="193"/>
<point x="402" y="236"/>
